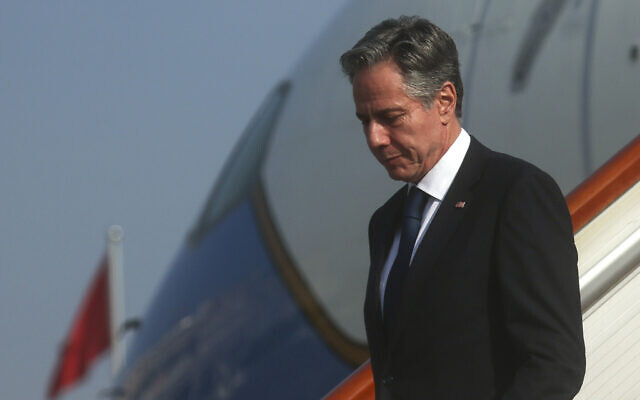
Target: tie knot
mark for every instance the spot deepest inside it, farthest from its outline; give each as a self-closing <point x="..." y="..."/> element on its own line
<point x="414" y="205"/>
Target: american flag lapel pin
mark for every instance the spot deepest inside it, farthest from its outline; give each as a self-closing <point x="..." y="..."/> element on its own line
<point x="460" y="204"/>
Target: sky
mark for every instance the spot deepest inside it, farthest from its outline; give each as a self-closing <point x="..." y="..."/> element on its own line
<point x="118" y="113"/>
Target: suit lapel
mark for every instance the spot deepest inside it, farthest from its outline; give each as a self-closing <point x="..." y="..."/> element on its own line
<point x="444" y="224"/>
<point x="453" y="208"/>
<point x="447" y="219"/>
<point x="385" y="225"/>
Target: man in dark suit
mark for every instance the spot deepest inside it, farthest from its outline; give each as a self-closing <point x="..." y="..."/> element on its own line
<point x="473" y="287"/>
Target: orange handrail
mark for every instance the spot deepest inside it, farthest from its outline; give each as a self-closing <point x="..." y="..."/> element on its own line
<point x="585" y="202"/>
<point x="605" y="185"/>
<point x="357" y="386"/>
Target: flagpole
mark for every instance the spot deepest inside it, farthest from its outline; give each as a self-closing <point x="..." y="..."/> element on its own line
<point x="116" y="296"/>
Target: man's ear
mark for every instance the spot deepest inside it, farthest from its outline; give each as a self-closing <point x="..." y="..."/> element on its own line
<point x="446" y="99"/>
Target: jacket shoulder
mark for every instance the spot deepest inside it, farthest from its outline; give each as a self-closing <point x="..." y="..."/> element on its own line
<point x="506" y="170"/>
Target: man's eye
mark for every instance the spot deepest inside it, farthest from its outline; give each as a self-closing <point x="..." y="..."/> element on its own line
<point x="390" y="119"/>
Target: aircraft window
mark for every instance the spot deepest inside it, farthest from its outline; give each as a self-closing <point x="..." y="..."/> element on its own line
<point x="241" y="171"/>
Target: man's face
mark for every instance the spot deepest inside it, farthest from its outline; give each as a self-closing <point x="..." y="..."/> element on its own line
<point x="404" y="136"/>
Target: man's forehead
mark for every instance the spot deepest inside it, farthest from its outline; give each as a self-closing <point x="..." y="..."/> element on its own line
<point x="377" y="81"/>
<point x="380" y="92"/>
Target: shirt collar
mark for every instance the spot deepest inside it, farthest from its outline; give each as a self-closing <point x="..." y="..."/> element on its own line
<point x="437" y="181"/>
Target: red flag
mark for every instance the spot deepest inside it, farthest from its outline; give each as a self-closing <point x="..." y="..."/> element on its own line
<point x="89" y="335"/>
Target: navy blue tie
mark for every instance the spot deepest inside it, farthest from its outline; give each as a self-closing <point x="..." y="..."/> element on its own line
<point x="411" y="221"/>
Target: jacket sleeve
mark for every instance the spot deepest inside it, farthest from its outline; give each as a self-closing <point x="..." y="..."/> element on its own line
<point x="539" y="291"/>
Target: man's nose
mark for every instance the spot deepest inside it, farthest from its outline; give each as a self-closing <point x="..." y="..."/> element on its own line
<point x="377" y="135"/>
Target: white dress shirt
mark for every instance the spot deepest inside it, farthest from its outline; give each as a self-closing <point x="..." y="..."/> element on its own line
<point x="435" y="183"/>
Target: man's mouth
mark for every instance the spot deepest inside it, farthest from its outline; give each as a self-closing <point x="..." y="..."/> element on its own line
<point x="390" y="158"/>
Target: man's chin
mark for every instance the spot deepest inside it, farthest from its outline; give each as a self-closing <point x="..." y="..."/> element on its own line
<point x="401" y="174"/>
<point x="398" y="175"/>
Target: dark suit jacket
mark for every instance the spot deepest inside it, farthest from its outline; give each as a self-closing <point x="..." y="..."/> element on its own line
<point x="490" y="308"/>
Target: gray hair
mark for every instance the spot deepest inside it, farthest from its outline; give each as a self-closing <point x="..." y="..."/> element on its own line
<point x="426" y="55"/>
